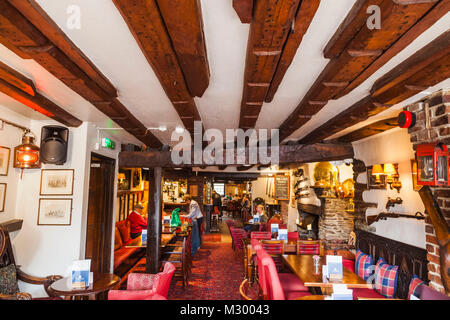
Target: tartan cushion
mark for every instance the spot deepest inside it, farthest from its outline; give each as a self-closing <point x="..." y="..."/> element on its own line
<point x="363" y="262"/>
<point x="415" y="283"/>
<point x="386" y="278"/>
<point x="309" y="249"/>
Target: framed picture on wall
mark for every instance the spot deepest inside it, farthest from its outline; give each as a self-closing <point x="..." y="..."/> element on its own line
<point x="193" y="190"/>
<point x="57" y="182"/>
<point x="2" y="196"/>
<point x="4" y="160"/>
<point x="136" y="179"/>
<point x="55" y="212"/>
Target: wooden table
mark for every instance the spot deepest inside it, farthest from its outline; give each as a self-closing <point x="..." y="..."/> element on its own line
<point x="165" y="239"/>
<point x="102" y="282"/>
<point x="303" y="267"/>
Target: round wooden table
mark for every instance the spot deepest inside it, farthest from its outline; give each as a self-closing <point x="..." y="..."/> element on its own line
<point x="102" y="282"/>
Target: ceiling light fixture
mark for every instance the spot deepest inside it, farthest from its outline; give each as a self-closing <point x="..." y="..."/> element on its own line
<point x="179" y="129"/>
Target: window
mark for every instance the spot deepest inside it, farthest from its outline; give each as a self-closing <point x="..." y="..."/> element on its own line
<point x="220" y="188"/>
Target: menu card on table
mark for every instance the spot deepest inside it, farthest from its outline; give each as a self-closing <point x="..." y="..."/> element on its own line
<point x="81" y="275"/>
<point x="256" y="218"/>
<point x="282" y="234"/>
<point x="166" y="219"/>
<point x="144" y="237"/>
<point x="274" y="230"/>
<point x="334" y="268"/>
<point x="341" y="292"/>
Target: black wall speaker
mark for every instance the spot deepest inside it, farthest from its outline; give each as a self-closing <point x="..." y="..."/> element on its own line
<point x="54" y="143"/>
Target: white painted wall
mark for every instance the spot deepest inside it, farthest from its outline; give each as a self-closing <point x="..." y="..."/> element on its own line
<point x="11" y="137"/>
<point x="46" y="250"/>
<point x="393" y="146"/>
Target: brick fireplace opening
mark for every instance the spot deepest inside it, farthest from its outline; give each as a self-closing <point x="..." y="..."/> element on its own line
<point x="433" y="125"/>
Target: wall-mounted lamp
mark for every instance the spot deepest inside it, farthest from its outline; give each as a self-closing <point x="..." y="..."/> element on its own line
<point x="26" y="155"/>
<point x="391" y="173"/>
<point x="377" y="171"/>
<point x="121" y="177"/>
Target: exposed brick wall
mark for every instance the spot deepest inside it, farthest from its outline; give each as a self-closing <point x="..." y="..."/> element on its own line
<point x="335" y="224"/>
<point x="439" y="131"/>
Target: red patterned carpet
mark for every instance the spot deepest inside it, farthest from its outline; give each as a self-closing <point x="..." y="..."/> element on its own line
<point x="217" y="272"/>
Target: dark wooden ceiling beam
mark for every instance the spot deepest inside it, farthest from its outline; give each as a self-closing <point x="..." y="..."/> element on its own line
<point x="147" y="26"/>
<point x="305" y="14"/>
<point x="244" y="10"/>
<point x="437" y="12"/>
<point x="17" y="79"/>
<point x="39" y="18"/>
<point x="272" y="21"/>
<point x="40" y="103"/>
<point x="355" y="47"/>
<point x="33" y="33"/>
<point x="287" y="154"/>
<point x="370" y="130"/>
<point x="184" y="23"/>
<point x="426" y="68"/>
<point x="416" y="72"/>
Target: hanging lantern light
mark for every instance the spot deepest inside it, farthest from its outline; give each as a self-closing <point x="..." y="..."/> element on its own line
<point x="26" y="156"/>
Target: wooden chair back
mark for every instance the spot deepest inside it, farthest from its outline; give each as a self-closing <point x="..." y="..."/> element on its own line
<point x="6" y="253"/>
<point x="309" y="247"/>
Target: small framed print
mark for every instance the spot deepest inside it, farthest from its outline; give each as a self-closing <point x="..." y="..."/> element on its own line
<point x="2" y="196"/>
<point x="136" y="179"/>
<point x="4" y="160"/>
<point x="57" y="182"/>
<point x="55" y="212"/>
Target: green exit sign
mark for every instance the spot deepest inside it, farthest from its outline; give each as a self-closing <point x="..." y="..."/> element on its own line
<point x="108" y="143"/>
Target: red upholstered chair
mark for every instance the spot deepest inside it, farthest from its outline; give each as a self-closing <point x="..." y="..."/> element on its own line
<point x="275" y="290"/>
<point x="275" y="249"/>
<point x="237" y="234"/>
<point x="293" y="236"/>
<point x="143" y="286"/>
<point x="289" y="282"/>
<point x="260" y="235"/>
<point x="256" y="245"/>
<point x="308" y="247"/>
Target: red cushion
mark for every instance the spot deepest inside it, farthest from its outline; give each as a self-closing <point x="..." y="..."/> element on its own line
<point x="124" y="229"/>
<point x="293" y="295"/>
<point x="122" y="254"/>
<point x="290" y="282"/>
<point x="349" y="264"/>
<point x="366" y="293"/>
<point x="131" y="295"/>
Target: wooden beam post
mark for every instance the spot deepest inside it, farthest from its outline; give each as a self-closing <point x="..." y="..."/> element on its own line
<point x="154" y="222"/>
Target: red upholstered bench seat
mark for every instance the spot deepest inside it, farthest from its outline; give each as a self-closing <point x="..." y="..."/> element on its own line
<point x="366" y="293"/>
<point x="122" y="254"/>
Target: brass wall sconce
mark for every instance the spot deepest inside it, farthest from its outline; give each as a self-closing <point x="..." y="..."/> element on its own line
<point x="391" y="172"/>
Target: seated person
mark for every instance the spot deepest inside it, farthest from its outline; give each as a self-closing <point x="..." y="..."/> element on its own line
<point x="262" y="216"/>
<point x="138" y="221"/>
<point x="276" y="219"/>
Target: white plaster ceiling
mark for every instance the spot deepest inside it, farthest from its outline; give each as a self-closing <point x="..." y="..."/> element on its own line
<point x="107" y="42"/>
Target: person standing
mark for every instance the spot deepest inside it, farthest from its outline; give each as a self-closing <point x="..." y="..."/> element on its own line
<point x="195" y="214"/>
<point x="137" y="221"/>
<point x="217" y="203"/>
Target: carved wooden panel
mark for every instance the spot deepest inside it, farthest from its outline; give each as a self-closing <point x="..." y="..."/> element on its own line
<point x="410" y="259"/>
